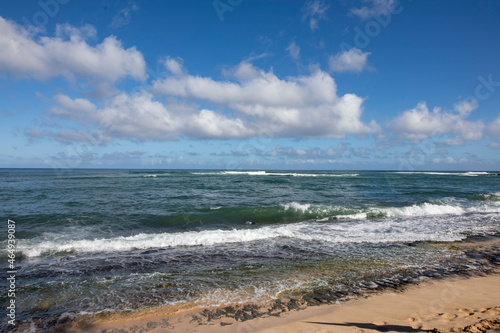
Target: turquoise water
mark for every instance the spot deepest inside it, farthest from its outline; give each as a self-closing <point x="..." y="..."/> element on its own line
<point x="99" y="241"/>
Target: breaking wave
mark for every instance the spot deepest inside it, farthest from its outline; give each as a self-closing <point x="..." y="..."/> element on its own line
<point x="424" y="222"/>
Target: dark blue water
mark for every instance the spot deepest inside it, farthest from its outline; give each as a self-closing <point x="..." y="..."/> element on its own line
<point x="116" y="240"/>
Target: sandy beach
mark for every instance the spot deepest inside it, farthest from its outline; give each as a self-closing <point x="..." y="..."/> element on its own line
<point x="448" y="305"/>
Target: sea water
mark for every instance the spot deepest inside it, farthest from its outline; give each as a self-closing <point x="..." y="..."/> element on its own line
<point x="102" y="241"/>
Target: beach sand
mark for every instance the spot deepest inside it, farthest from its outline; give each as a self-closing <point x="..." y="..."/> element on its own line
<point x="447" y="305"/>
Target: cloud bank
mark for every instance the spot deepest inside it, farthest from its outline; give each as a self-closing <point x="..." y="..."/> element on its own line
<point x="251" y="103"/>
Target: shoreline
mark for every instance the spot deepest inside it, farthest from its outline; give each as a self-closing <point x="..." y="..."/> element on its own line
<point x="446" y="305"/>
<point x="292" y="315"/>
<point x="434" y="305"/>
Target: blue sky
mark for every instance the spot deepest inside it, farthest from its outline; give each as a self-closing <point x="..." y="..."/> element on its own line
<point x="239" y="84"/>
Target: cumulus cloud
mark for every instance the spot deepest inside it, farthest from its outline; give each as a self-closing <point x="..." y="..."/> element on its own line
<point x="419" y="123"/>
<point x="464" y="108"/>
<point x="252" y="103"/>
<point x="351" y="60"/>
<point x="140" y="117"/>
<point x="302" y="106"/>
<point x="68" y="54"/>
<point x="314" y="11"/>
<point x="377" y="7"/>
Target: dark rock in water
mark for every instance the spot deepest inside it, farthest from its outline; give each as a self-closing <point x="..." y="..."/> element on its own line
<point x="229" y="310"/>
<point x="293" y="304"/>
<point x="219" y="313"/>
<point x="278" y="305"/>
<point x="492" y="258"/>
<point x="492" y="175"/>
<point x="242" y="315"/>
<point x="312" y="300"/>
<point x="250" y="308"/>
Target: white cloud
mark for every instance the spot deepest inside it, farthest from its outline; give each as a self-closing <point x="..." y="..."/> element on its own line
<point x="174" y="65"/>
<point x="72" y="109"/>
<point x="255" y="103"/>
<point x="302" y="106"/>
<point x="141" y="118"/>
<point x="378" y="7"/>
<point x="294" y="51"/>
<point x="67" y="54"/>
<point x="314" y="11"/>
<point x="352" y="60"/>
<point x="211" y="125"/>
<point x="244" y="71"/>
<point x="464" y="108"/>
<point x="419" y="124"/>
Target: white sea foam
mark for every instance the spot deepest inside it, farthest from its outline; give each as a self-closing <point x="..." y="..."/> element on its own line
<point x="420" y="222"/>
<point x="424" y="209"/>
<point x="433" y="228"/>
<point x="358" y="216"/>
<point x="266" y="173"/>
<point x="251" y="173"/>
<point x="313" y="174"/>
<point x="260" y="291"/>
<point x="469" y="173"/>
<point x="472" y="173"/>
<point x="297" y="206"/>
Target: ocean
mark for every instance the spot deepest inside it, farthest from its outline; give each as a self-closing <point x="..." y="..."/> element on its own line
<point x="92" y="242"/>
